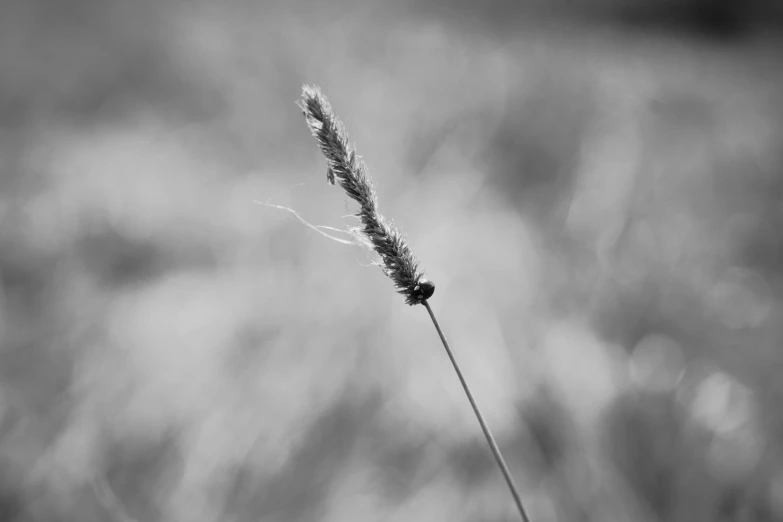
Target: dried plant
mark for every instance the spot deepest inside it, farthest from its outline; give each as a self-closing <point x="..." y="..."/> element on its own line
<point x="344" y="166"/>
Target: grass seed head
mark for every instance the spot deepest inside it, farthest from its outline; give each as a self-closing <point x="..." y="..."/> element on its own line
<point x="346" y="168"/>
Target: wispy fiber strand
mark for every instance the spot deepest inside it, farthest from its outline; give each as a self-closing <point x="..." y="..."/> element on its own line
<point x="347" y="168"/>
<point x="398" y="262"/>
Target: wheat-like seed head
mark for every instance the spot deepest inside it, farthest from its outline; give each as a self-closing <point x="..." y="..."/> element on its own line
<point x="346" y="168"/>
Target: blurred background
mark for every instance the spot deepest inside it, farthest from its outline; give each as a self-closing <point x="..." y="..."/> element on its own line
<point x="594" y="187"/>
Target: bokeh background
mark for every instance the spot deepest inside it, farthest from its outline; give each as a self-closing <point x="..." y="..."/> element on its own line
<point x="594" y="187"/>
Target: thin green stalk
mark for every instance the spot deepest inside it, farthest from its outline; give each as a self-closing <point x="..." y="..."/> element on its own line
<point x="488" y="434"/>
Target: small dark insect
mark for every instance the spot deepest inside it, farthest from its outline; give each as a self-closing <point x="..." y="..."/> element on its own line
<point x="424" y="289"/>
<point x="329" y="176"/>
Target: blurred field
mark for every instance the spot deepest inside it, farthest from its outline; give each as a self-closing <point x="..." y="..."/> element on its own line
<point x="597" y="196"/>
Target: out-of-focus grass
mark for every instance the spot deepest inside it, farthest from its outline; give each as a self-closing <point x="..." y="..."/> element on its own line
<point x="597" y="207"/>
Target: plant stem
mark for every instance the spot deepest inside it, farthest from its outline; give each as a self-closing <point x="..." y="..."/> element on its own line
<point x="490" y="439"/>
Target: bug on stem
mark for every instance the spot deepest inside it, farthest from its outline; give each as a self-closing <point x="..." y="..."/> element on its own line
<point x="424" y="289"/>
